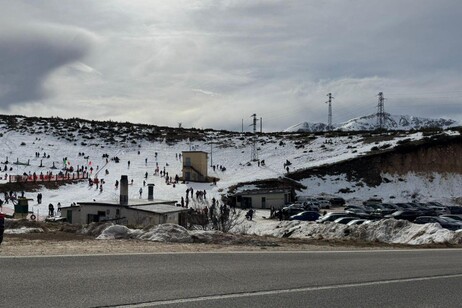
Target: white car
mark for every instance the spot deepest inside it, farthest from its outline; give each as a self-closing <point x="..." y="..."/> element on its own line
<point x="356" y="222"/>
<point x="324" y="204"/>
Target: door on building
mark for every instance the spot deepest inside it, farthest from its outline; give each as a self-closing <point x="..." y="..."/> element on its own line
<point x="69" y="217"/>
<point x="187" y="176"/>
<point x="246" y="202"/>
<point x="263" y="202"/>
<point x="92" y="218"/>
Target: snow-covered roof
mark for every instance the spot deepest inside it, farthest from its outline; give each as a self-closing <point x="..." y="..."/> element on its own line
<point x="159" y="207"/>
<point x="131" y="202"/>
<point x="264" y="191"/>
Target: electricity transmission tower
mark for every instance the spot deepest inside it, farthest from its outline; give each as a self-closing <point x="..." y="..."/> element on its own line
<point x="329" y="115"/>
<point x="381" y="111"/>
<point x="254" y="138"/>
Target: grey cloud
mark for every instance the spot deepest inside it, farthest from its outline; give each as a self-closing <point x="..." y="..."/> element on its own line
<point x="29" y="53"/>
<point x="159" y="61"/>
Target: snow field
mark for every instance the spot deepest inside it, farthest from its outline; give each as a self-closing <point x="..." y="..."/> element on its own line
<point x="236" y="157"/>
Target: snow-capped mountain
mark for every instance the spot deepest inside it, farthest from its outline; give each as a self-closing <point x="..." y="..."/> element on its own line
<point x="369" y="122"/>
<point x="307" y="127"/>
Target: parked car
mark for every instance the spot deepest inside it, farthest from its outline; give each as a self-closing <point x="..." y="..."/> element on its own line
<point x="357" y="212"/>
<point x="356" y="222"/>
<point x="435" y="203"/>
<point x="384" y="209"/>
<point x="306" y="199"/>
<point x="344" y="220"/>
<point x="455" y="217"/>
<point x="439" y="210"/>
<point x="454" y="209"/>
<point x="292" y="210"/>
<point x="306" y="216"/>
<point x="404" y="206"/>
<point x="331" y="217"/>
<point x="324" y="204"/>
<point x="446" y="223"/>
<point x="452" y="220"/>
<point x="311" y="206"/>
<point x="337" y="201"/>
<point x="372" y="201"/>
<point x="405" y="215"/>
<point x="424" y="209"/>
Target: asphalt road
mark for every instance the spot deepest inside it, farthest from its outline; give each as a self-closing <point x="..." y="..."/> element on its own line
<point x="393" y="278"/>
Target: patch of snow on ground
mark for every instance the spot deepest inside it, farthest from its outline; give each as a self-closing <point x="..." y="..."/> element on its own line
<point x="412" y="186"/>
<point x="167" y="233"/>
<point x="118" y="232"/>
<point x="388" y="231"/>
<point x="23" y="230"/>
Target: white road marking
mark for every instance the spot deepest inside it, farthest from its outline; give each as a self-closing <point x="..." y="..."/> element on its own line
<point x="284" y="291"/>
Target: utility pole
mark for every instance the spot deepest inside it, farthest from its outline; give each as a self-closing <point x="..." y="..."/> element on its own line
<point x="329" y="114"/>
<point x="261" y="125"/>
<point x="381" y="111"/>
<point x="211" y="153"/>
<point x="254" y="156"/>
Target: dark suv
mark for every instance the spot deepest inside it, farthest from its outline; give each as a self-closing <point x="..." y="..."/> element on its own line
<point x="337" y="201"/>
<point x="444" y="222"/>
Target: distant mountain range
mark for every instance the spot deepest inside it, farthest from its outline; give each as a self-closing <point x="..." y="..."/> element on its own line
<point x="369" y="122"/>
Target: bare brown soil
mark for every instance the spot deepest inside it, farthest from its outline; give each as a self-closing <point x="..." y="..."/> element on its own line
<point x="65" y="243"/>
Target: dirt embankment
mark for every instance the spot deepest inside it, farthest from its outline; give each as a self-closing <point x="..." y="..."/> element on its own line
<point x="439" y="154"/>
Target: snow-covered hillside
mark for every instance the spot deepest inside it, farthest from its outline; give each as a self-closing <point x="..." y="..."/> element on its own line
<point x="66" y="139"/>
<point x="369" y="123"/>
<point x="46" y="142"/>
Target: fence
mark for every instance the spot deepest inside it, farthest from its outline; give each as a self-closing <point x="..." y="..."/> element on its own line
<point x="48" y="178"/>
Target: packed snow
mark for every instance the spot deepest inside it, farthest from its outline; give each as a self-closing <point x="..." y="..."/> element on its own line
<point x="388" y="231"/>
<point x="234" y="153"/>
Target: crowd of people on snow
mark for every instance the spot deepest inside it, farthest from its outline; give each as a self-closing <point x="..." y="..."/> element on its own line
<point x="214" y="213"/>
<point x="198" y="197"/>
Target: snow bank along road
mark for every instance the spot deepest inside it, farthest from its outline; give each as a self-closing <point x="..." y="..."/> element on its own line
<point x="398" y="278"/>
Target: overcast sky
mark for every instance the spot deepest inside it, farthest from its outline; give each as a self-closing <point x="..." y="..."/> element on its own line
<point x="210" y="64"/>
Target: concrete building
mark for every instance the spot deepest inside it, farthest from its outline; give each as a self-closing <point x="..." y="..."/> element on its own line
<point x="263" y="198"/>
<point x="136" y="212"/>
<point x="195" y="166"/>
<point x="127" y="212"/>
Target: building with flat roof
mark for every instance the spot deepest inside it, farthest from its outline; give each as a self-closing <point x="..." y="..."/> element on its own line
<point x="263" y="198"/>
<point x="136" y="212"/>
<point x="195" y="166"/>
<point x="127" y="211"/>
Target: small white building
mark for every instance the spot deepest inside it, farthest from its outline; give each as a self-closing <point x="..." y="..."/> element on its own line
<point x="136" y="212"/>
<point x="128" y="212"/>
<point x="263" y="198"/>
